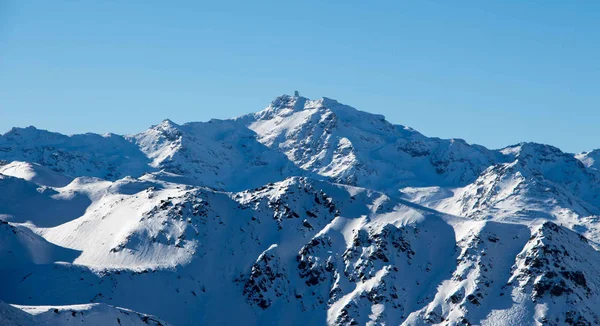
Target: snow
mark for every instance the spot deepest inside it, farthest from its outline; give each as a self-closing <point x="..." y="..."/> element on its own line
<point x="308" y="212"/>
<point x="590" y="159"/>
<point x="88" y="314"/>
<point x="359" y="148"/>
<point x="35" y="173"/>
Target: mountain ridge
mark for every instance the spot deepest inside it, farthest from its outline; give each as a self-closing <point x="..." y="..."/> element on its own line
<point x="306" y="212"/>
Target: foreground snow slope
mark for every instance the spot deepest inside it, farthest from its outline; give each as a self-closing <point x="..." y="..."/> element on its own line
<point x="96" y="314"/>
<point x="308" y="212"/>
<point x="302" y="250"/>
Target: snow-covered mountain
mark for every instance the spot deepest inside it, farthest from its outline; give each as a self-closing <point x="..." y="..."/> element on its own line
<point x="220" y="153"/>
<point x="308" y="212"/>
<point x="106" y="156"/>
<point x="359" y="148"/>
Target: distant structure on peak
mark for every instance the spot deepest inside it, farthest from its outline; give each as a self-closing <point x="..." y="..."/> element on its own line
<point x="296" y="94"/>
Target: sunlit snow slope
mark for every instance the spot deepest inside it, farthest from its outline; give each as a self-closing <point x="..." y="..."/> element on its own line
<point x="308" y="212"/>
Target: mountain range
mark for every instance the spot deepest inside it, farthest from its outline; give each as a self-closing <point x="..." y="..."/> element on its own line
<point x="308" y="212"/>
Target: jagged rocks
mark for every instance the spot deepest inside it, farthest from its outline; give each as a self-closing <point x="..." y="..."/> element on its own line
<point x="555" y="269"/>
<point x="267" y="280"/>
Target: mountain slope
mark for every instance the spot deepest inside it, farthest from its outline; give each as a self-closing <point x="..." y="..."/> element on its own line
<point x="308" y="212"/>
<point x="359" y="148"/>
<point x="541" y="183"/>
<point x="279" y="225"/>
<point x="220" y="153"/>
<point x="88" y="314"/>
<point x="35" y="173"/>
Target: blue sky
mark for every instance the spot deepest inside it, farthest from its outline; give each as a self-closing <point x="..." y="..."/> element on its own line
<point x="491" y="72"/>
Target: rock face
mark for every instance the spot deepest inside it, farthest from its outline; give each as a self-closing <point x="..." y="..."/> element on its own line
<point x="308" y="212"/>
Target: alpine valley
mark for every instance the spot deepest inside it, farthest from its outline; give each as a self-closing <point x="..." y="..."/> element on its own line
<point x="308" y="212"/>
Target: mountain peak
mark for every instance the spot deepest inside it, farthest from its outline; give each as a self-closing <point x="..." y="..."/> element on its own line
<point x="530" y="148"/>
<point x="286" y="105"/>
<point x="31" y="135"/>
<point x="19" y="131"/>
<point x="167" y="123"/>
<point x="590" y="159"/>
<point x="288" y="102"/>
<point x="166" y="128"/>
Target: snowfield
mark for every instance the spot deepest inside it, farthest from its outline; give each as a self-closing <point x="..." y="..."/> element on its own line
<point x="308" y="212"/>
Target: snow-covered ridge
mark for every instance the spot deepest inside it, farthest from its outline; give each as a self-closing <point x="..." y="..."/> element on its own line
<point x="292" y="136"/>
<point x="308" y="212"/>
<point x="36" y="173"/>
<point x="95" y="314"/>
<point x="360" y="148"/>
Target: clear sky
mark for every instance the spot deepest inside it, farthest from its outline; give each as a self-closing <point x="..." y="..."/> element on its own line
<point x="491" y="72"/>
